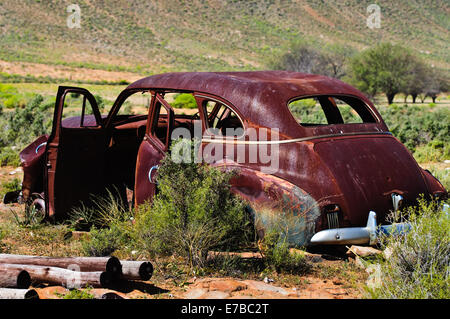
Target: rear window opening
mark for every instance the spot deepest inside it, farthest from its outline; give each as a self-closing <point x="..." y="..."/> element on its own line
<point x="328" y="110"/>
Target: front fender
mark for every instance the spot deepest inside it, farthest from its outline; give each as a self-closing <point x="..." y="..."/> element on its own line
<point x="32" y="160"/>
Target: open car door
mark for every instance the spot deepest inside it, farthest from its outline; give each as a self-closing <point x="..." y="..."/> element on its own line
<point x="153" y="148"/>
<point x="75" y="151"/>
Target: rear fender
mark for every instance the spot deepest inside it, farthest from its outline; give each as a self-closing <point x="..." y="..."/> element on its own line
<point x="434" y="185"/>
<point x="277" y="204"/>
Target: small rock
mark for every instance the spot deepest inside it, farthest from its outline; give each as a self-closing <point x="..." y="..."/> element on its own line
<point x="227" y="285"/>
<point x="362" y="251"/>
<point x="257" y="285"/>
<point x="267" y="280"/>
<point x="215" y="295"/>
<point x="447" y="161"/>
<point x="195" y="293"/>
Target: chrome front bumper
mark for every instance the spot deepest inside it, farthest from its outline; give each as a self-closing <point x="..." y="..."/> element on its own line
<point x="358" y="235"/>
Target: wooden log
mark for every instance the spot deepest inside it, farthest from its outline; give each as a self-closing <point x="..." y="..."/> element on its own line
<point x="136" y="270"/>
<point x="64" y="277"/>
<point x="14" y="278"/>
<point x="91" y="264"/>
<point x="10" y="293"/>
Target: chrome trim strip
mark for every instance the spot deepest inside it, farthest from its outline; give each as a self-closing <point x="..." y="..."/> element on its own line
<point x="223" y="140"/>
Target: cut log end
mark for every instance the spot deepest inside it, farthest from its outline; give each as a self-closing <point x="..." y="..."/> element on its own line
<point x="106" y="279"/>
<point x="23" y="280"/>
<point x="113" y="265"/>
<point x="146" y="271"/>
<point x="31" y="294"/>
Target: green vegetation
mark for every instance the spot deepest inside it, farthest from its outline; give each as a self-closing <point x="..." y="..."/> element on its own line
<point x="228" y="35"/>
<point x="392" y="69"/>
<point x="77" y="294"/>
<point x="21" y="126"/>
<point x="278" y="256"/>
<point x="418" y="125"/>
<point x="418" y="263"/>
<point x="315" y="57"/>
<point x="193" y="212"/>
<point x="184" y="101"/>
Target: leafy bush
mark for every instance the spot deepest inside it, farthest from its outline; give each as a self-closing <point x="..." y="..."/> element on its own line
<point x="77" y="294"/>
<point x="193" y="212"/>
<point x="278" y="255"/>
<point x="11" y="186"/>
<point x="184" y="101"/>
<point x="9" y="157"/>
<point x="418" y="265"/>
<point x="416" y="125"/>
<point x="112" y="224"/>
<point x="22" y="126"/>
<point x="434" y="151"/>
<point x="307" y="111"/>
<point x="103" y="242"/>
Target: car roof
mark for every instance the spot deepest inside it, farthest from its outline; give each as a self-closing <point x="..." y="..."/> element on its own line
<point x="259" y="96"/>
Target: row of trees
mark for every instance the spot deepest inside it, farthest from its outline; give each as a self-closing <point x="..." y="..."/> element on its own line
<point x="386" y="68"/>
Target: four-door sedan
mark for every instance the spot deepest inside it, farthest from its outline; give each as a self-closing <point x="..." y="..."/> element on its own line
<point x="330" y="178"/>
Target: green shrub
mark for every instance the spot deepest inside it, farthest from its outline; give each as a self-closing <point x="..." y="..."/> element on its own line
<point x="434" y="151"/>
<point x="418" y="265"/>
<point x="22" y="126"/>
<point x="103" y="242"/>
<point x="104" y="211"/>
<point x="193" y="212"/>
<point x="278" y="255"/>
<point x="111" y="221"/>
<point x="416" y="125"/>
<point x="77" y="294"/>
<point x="11" y="186"/>
<point x="32" y="217"/>
<point x="184" y="101"/>
<point x="9" y="157"/>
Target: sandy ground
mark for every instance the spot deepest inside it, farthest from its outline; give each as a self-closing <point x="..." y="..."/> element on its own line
<point x="65" y="72"/>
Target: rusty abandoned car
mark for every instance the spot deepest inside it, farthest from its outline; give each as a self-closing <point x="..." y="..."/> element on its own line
<point x="334" y="180"/>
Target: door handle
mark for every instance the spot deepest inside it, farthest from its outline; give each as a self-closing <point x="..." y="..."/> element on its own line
<point x="155" y="167"/>
<point x="39" y="146"/>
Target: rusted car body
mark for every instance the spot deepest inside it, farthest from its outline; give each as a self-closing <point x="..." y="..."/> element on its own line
<point x="327" y="176"/>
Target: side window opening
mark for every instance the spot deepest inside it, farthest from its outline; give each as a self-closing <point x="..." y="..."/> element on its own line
<point x="77" y="111"/>
<point x="327" y="110"/>
<point x="185" y="114"/>
<point x="222" y="120"/>
<point x="136" y="104"/>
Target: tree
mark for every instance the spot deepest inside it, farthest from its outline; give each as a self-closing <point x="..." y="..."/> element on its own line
<point x="385" y="68"/>
<point x="420" y="73"/>
<point x="306" y="57"/>
<point x="435" y="82"/>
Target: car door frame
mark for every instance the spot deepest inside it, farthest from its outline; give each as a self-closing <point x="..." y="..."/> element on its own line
<point x="152" y="150"/>
<point x="54" y="143"/>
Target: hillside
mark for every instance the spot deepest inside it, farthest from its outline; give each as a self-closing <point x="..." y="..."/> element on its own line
<point x="126" y="39"/>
